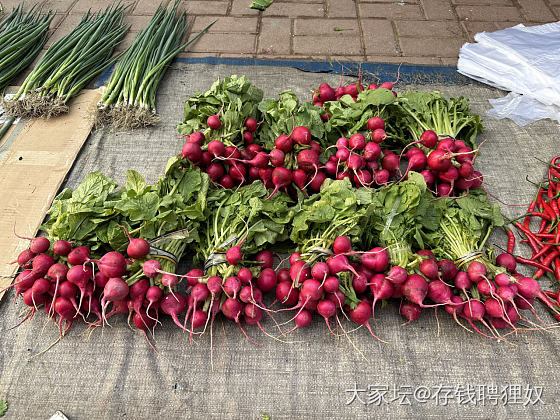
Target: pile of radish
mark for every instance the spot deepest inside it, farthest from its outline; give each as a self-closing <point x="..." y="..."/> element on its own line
<point x="335" y="273"/>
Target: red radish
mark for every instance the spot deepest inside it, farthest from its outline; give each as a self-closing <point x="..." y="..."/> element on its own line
<point x="234" y="255"/>
<point x="327" y="309"/>
<point x="283" y="275"/>
<point x="361" y="315"/>
<point x="151" y="268"/>
<point x="426" y="253"/>
<point x="382" y="177"/>
<point x="231" y="308"/>
<point x="376" y="259"/>
<point x="342" y="154"/>
<point x="415" y="289"/>
<point x="215" y="171"/>
<point x="153" y="296"/>
<point x="342" y="245"/>
<point x="397" y="275"/>
<point x="281" y="177"/>
<point x="173" y="305"/>
<point x="62" y="248"/>
<point x="331" y="284"/>
<point x="41" y="264"/>
<point x="447" y="145"/>
<point x="205" y="159"/>
<point x="197" y="137"/>
<point x="39" y="245"/>
<point x="214" y="286"/>
<point x="416" y="162"/>
<point x="294" y="257"/>
<point x="449" y="175"/>
<point x="299" y="272"/>
<point x="474" y="311"/>
<point x="284" y="143"/>
<point x="115" y="289"/>
<point x="251" y="124"/>
<point x="355" y="162"/>
<point x="439" y="161"/>
<point x="308" y="160"/>
<point x="381" y="288"/>
<point x="373" y="86"/>
<point x="24" y="281"/>
<point x="191" y="151"/>
<point x="372" y="151"/>
<point x="486" y="287"/>
<point x="339" y="263"/>
<point x="331" y="167"/>
<point x="169" y="280"/>
<point x="112" y="264"/>
<point x="357" y="141"/>
<point x="217" y="148"/>
<point x="301" y="135"/>
<point x="227" y="182"/>
<point x="390" y="162"/>
<point x="507" y="261"/>
<point x="387" y="85"/>
<point x="250" y="294"/>
<point x="40" y="287"/>
<point x="428" y="176"/>
<point x="466" y="170"/>
<point x="326" y="93"/>
<point x="214" y="122"/>
<point x="320" y="271"/>
<point x="194" y="276"/>
<point x="311" y="290"/>
<point x="411" y="311"/>
<point x="378" y="135"/>
<point x="252" y="314"/>
<point x="277" y="157"/>
<point x="462" y="282"/>
<point x="316" y="181"/>
<point x="447" y="269"/>
<point x="64" y="308"/>
<point x="265" y="258"/>
<point x="429" y="269"/>
<point x="248" y="137"/>
<point x="287" y="294"/>
<point x="25" y="259"/>
<point x="245" y="275"/>
<point x="299" y="177"/>
<point x="232" y="286"/>
<point x="142" y="320"/>
<point x="267" y="280"/>
<point x="476" y="271"/>
<point x="439" y="292"/>
<point x="360" y="282"/>
<point x="375" y="123"/>
<point x="254" y="173"/>
<point x="342" y="143"/>
<point x="78" y="255"/>
<point x="363" y="178"/>
<point x="443" y="189"/>
<point x="464" y="154"/>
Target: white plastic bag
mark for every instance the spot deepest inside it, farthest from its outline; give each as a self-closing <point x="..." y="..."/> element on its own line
<point x="523" y="60"/>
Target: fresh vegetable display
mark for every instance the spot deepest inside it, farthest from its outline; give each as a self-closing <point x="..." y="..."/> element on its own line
<point x="369" y="196"/>
<point x="130" y="98"/>
<point x="70" y="64"/>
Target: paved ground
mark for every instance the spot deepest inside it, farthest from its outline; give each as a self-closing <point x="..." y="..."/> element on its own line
<point x="411" y="31"/>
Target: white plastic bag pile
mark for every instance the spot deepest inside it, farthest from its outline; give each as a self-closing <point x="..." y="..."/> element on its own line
<point x="523" y="60"/>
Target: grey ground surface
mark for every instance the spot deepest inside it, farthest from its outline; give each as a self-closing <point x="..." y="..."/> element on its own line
<point x="115" y="374"/>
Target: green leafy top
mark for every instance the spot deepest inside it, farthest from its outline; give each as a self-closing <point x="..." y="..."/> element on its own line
<point x="416" y="112"/>
<point x="239" y="99"/>
<point x="3" y="407"/>
<point x="349" y="117"/>
<point x="282" y="115"/>
<point x="335" y="211"/>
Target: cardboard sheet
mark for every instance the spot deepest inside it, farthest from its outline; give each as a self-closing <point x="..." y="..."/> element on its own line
<point x="35" y="157"/>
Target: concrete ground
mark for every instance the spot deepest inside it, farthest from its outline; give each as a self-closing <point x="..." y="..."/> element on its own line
<point x="411" y="31"/>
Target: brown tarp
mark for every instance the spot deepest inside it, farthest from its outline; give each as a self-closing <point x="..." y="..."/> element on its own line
<point x="454" y="374"/>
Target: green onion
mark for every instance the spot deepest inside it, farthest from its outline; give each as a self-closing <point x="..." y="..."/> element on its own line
<point x="22" y="36"/>
<point x="129" y="100"/>
<point x="70" y="64"/>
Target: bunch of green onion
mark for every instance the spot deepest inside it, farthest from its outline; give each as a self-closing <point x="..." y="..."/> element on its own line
<point x="129" y="100"/>
<point x="70" y="64"/>
<point x="22" y="36"/>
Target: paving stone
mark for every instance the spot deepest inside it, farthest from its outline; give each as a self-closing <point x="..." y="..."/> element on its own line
<point x="226" y="24"/>
<point x="489" y="13"/>
<point x="379" y="37"/>
<point x="434" y="47"/>
<point x="341" y="8"/>
<point x="275" y="37"/>
<point x="423" y="28"/>
<point x="320" y="45"/>
<point x="391" y="11"/>
<point x="230" y="42"/>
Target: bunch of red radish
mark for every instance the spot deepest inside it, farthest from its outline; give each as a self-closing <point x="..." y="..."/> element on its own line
<point x="326" y="93"/>
<point x="446" y="164"/>
<point x="295" y="161"/>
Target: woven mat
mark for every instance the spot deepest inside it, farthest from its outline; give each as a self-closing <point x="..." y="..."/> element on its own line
<point x="418" y="374"/>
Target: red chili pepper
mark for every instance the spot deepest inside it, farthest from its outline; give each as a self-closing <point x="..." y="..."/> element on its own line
<point x="545" y="235"/>
<point x="557" y="273"/>
<point x="542" y="226"/>
<point x="546" y="263"/>
<point x="511" y="241"/>
<point x="533" y="241"/>
<point x="548" y="210"/>
<point x="541" y="253"/>
<point x="537" y="264"/>
<point x="542" y="215"/>
<point x="551" y="294"/>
